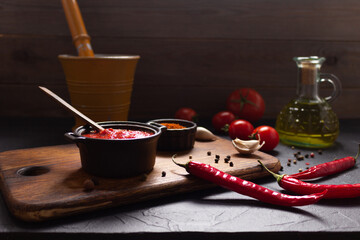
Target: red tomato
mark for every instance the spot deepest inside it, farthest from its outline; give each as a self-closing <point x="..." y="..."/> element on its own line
<point x="186" y="114"/>
<point x="246" y="103"/>
<point x="268" y="135"/>
<point x="220" y="119"/>
<point x="241" y="129"/>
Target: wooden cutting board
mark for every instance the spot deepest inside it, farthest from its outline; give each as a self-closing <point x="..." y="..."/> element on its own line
<point x="48" y="182"/>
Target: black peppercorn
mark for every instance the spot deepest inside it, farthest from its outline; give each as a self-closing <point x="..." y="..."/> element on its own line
<point x="88" y="185"/>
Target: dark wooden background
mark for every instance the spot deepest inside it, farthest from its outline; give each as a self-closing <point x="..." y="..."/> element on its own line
<point x="193" y="52"/>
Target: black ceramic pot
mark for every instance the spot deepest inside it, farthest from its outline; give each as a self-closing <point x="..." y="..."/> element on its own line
<point x="176" y="139"/>
<point x="117" y="158"/>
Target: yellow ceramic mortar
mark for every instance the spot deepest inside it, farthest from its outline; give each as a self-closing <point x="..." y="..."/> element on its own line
<point x="100" y="87"/>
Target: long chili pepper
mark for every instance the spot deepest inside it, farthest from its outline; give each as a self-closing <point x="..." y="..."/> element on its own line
<point x="247" y="188"/>
<point x="333" y="191"/>
<point x="328" y="168"/>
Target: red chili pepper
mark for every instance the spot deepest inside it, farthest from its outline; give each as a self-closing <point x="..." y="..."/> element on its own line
<point x="328" y="168"/>
<point x="333" y="191"/>
<point x="247" y="188"/>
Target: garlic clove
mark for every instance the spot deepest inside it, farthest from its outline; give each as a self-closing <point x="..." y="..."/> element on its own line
<point x="247" y="146"/>
<point x="204" y="134"/>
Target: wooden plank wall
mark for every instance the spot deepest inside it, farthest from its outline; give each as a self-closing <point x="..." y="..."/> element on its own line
<point x="193" y="52"/>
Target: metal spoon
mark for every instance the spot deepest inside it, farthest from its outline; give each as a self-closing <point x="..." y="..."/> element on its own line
<point x="72" y="109"/>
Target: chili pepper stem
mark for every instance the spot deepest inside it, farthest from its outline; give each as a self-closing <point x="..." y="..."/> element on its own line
<point x="179" y="164"/>
<point x="358" y="153"/>
<point x="276" y="176"/>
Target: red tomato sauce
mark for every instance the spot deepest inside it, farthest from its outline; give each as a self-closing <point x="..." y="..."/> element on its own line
<point x="110" y="133"/>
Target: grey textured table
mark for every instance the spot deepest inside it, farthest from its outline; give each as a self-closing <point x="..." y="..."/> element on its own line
<point x="207" y="214"/>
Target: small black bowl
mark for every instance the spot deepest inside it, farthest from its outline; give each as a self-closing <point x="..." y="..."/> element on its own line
<point x="176" y="139"/>
<point x="117" y="158"/>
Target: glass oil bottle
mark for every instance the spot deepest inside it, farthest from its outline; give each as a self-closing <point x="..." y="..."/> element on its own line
<point x="308" y="120"/>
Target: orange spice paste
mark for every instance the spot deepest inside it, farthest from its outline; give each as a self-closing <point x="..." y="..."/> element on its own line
<point x="173" y="125"/>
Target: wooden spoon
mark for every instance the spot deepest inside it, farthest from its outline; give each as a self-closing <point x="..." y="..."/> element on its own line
<point x="72" y="109"/>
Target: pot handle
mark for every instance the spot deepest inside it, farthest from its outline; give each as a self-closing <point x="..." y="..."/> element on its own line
<point x="72" y="137"/>
<point x="158" y="125"/>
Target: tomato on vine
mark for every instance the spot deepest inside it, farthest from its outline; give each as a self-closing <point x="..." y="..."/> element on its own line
<point x="246" y="103"/>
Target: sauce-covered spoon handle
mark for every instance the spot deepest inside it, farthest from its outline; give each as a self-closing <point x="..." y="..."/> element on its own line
<point x="72" y="109"/>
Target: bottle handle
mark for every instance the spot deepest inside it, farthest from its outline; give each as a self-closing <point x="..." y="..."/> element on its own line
<point x="335" y="82"/>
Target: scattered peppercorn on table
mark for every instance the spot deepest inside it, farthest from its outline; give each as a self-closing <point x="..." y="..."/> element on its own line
<point x="207" y="214"/>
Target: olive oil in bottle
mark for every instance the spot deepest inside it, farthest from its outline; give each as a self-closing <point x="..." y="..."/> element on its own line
<point x="307" y="124"/>
<point x="308" y="120"/>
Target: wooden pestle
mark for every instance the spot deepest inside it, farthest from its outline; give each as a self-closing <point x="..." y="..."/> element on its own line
<point x="77" y="28"/>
